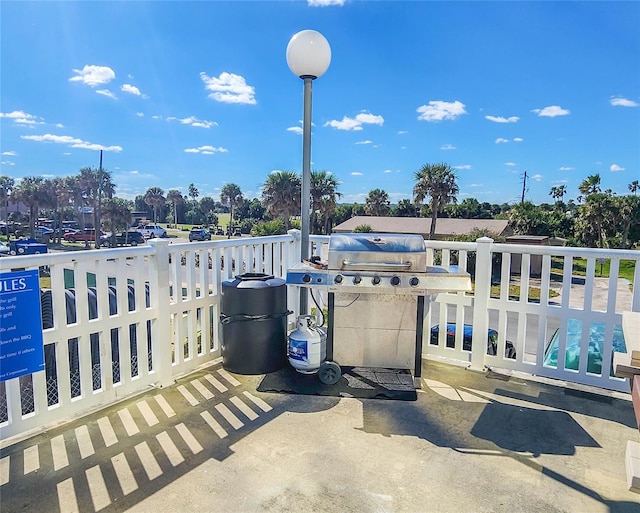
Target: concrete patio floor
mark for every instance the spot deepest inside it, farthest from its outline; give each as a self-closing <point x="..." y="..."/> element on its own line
<point x="472" y="442"/>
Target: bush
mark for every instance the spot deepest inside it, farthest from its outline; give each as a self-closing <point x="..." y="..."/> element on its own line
<point x="275" y="227"/>
<point x="363" y="228"/>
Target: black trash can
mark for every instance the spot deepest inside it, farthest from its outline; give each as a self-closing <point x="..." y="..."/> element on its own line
<point x="253" y="316"/>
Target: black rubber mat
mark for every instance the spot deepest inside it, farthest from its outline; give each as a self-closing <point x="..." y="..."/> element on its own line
<point x="358" y="382"/>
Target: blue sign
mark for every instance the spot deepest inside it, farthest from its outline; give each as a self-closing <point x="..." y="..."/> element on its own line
<point x="21" y="342"/>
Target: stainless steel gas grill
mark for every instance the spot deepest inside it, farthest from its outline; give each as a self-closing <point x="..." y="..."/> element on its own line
<point x="378" y="290"/>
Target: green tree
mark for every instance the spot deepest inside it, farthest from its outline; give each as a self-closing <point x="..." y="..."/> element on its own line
<point x="596" y="219"/>
<point x="174" y="196"/>
<point x="230" y="195"/>
<point x="438" y="182"/>
<point x="377" y="203"/>
<point x="118" y="213"/>
<point x="590" y="185"/>
<point x="95" y="185"/>
<point x="405" y="208"/>
<point x="281" y="195"/>
<point x="633" y="187"/>
<point x="528" y="219"/>
<point x="558" y="191"/>
<point x="31" y="192"/>
<point x="324" y="194"/>
<point x="193" y="192"/>
<point x="154" y="197"/>
<point x="6" y="186"/>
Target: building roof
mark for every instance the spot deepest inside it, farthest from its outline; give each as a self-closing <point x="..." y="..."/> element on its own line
<point x="445" y="227"/>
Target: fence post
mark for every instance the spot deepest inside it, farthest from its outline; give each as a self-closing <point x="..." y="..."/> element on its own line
<point x="160" y="299"/>
<point x="481" y="303"/>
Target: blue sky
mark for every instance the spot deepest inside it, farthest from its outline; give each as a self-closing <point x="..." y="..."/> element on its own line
<point x="200" y="92"/>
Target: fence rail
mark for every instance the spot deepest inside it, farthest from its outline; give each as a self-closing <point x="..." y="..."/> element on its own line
<point x="117" y="321"/>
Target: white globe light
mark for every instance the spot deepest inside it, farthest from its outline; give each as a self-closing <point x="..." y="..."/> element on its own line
<point x="308" y="54"/>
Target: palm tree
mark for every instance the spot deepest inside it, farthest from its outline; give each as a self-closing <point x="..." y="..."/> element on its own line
<point x="377" y="203"/>
<point x="633" y="187"/>
<point x="281" y="195"/>
<point x="118" y="212"/>
<point x="590" y="185"/>
<point x="96" y="184"/>
<point x="230" y="195"/>
<point x="438" y="181"/>
<point x="208" y="206"/>
<point x="6" y="186"/>
<point x="323" y="197"/>
<point x="558" y="192"/>
<point x="154" y="197"/>
<point x="30" y="191"/>
<point x="193" y="192"/>
<point x="175" y="197"/>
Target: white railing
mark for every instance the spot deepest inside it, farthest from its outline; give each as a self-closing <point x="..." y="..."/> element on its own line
<point x="120" y="320"/>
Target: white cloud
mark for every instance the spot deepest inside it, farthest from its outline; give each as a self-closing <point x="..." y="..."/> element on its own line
<point x="140" y="114"/>
<point x="364" y="118"/>
<point x="388" y="171"/>
<point x="106" y="92"/>
<point x="616" y="167"/>
<point x="447" y="147"/>
<point x="501" y="140"/>
<point x="229" y="88"/>
<point x="618" y="101"/>
<point x="22" y="118"/>
<point x="402" y="132"/>
<point x="438" y="110"/>
<point x="131" y="89"/>
<point x="10" y="153"/>
<point x="463" y="166"/>
<point x="551" y="112"/>
<point x="206" y="150"/>
<point x="567" y="168"/>
<point x="66" y="153"/>
<point x="8" y="163"/>
<point x="295" y="129"/>
<point x="357" y="173"/>
<point x="365" y="142"/>
<point x="72" y="142"/>
<point x="510" y="164"/>
<point x="324" y="3"/>
<point x="193" y="121"/>
<point x="93" y="75"/>
<point x="518" y="139"/>
<point x="500" y="119"/>
<point x="475" y="185"/>
<point x="403" y="147"/>
<point x="537" y="177"/>
<point x="59" y="125"/>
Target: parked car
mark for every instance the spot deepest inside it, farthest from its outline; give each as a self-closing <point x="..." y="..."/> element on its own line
<point x="199" y="234"/>
<point x="467" y="335"/>
<point x="26" y="247"/>
<point x="88" y="234"/>
<point x="132" y="238"/>
<point x="219" y="231"/>
<point x="150" y="231"/>
<point x="572" y="346"/>
<point x="237" y="233"/>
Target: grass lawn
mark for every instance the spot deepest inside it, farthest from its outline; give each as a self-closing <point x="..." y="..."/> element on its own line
<point x="627" y="267"/>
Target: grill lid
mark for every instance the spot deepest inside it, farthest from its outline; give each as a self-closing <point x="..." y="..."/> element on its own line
<point x="377" y="252"/>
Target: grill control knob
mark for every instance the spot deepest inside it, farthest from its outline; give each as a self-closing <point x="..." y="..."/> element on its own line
<point x="306" y="278"/>
<point x="356" y="280"/>
<point x="395" y="281"/>
<point x="338" y="279"/>
<point x="375" y="280"/>
<point x="414" y="282"/>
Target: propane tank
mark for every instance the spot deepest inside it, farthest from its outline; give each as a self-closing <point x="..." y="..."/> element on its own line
<point x="307" y="346"/>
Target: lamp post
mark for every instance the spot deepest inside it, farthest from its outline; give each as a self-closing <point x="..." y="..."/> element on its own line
<point x="308" y="57"/>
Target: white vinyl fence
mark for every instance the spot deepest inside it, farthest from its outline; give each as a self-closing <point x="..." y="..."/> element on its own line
<point x="117" y="321"/>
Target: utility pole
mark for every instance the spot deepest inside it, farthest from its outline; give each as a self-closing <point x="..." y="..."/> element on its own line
<point x="524" y="186"/>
